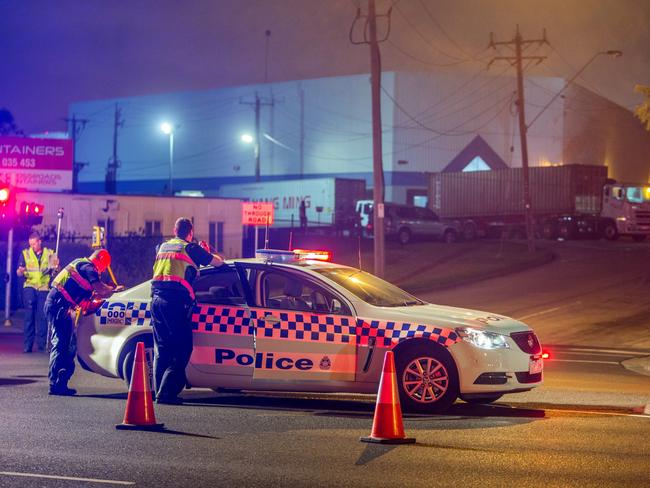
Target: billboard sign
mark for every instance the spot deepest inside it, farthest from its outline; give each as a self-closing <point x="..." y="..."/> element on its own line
<point x="256" y="213"/>
<point x="36" y="164"/>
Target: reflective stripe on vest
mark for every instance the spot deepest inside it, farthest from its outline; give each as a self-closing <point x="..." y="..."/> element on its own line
<point x="172" y="262"/>
<point x="70" y="274"/>
<point x="36" y="277"/>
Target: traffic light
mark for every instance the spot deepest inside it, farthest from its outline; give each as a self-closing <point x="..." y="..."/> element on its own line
<point x="31" y="213"/>
<point x="7" y="208"/>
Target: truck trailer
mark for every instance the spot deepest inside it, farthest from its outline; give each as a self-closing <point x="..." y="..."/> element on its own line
<point x="567" y="202"/>
<point x="329" y="202"/>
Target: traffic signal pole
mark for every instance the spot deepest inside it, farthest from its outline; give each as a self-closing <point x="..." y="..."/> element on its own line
<point x="9" y="276"/>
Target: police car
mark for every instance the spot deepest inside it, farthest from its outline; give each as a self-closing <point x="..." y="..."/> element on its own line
<point x="295" y="321"/>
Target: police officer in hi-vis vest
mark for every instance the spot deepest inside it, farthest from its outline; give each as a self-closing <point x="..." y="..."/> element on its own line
<point x="36" y="264"/>
<point x="176" y="266"/>
<point x="72" y="288"/>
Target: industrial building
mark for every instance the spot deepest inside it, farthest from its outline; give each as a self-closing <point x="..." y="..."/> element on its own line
<point x="322" y="128"/>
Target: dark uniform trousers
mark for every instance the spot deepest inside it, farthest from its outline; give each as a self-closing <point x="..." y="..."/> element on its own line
<point x="63" y="339"/>
<point x="34" y="301"/>
<point x="172" y="332"/>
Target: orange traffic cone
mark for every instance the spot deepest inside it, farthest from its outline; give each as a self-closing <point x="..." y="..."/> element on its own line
<point x="139" y="404"/>
<point x="387" y="426"/>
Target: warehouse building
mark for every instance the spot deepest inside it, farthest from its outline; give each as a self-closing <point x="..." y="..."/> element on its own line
<point x="322" y="128"/>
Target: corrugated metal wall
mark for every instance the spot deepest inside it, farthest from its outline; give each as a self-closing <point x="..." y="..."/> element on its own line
<point x="561" y="189"/>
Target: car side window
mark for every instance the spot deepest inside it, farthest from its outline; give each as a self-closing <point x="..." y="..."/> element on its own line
<point x="287" y="292"/>
<point x="220" y="286"/>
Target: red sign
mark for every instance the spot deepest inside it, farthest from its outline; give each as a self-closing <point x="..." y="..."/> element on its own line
<point x="36" y="164"/>
<point x="256" y="213"/>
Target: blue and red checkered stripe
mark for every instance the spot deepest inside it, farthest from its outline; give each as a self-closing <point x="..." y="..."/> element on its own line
<point x="298" y="326"/>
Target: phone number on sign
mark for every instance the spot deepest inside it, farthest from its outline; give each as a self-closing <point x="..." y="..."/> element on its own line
<point x="18" y="163"/>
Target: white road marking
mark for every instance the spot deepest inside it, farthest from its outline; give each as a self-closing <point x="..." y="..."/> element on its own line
<point x="549" y="310"/>
<point x="593" y="412"/>
<point x="66" y="478"/>
<point x="582" y="361"/>
<point x="608" y="351"/>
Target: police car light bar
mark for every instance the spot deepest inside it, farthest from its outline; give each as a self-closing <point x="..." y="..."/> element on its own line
<point x="282" y="256"/>
<point x="318" y="255"/>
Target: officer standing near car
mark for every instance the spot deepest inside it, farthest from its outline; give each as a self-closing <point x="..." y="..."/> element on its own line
<point x="172" y="298"/>
<point x="36" y="264"/>
<point x="72" y="289"/>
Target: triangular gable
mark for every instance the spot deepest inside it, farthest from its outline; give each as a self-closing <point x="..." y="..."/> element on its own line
<point x="477" y="148"/>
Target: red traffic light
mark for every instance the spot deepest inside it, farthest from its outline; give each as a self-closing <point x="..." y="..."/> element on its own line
<point x="5" y="193"/>
<point x="31" y="213"/>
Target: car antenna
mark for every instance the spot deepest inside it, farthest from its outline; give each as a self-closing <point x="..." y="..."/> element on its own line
<point x="359" y="250"/>
<point x="290" y="239"/>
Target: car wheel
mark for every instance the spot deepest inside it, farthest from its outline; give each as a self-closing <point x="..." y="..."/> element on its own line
<point x="484" y="399"/>
<point x="639" y="237"/>
<point x="469" y="232"/>
<point x="549" y="231"/>
<point x="129" y="357"/>
<point x="427" y="379"/>
<point x="450" y="236"/>
<point x="404" y="235"/>
<point x="610" y="232"/>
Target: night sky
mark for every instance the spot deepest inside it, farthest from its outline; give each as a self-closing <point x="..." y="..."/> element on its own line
<point x="57" y="52"/>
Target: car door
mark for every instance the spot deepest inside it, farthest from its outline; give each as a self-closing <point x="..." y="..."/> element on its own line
<point x="221" y="323"/>
<point x="304" y="330"/>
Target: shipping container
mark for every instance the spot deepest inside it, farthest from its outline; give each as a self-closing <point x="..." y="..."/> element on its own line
<point x="328" y="201"/>
<point x="553" y="190"/>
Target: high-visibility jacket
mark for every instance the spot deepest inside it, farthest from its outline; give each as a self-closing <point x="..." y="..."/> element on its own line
<point x="36" y="277"/>
<point x="75" y="288"/>
<point x="172" y="263"/>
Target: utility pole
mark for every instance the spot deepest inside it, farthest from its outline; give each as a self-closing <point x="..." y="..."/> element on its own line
<point x="113" y="162"/>
<point x="77" y="126"/>
<point x="302" y="133"/>
<point x="258" y="103"/>
<point x="370" y="38"/>
<point x="518" y="44"/>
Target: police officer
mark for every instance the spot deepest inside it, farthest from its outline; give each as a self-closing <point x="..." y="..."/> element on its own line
<point x="174" y="270"/>
<point x="36" y="264"/>
<point x="72" y="288"/>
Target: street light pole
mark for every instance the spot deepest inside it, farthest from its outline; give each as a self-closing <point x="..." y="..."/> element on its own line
<point x="171" y="163"/>
<point x="169" y="129"/>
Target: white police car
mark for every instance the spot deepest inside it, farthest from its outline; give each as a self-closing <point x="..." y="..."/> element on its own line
<point x="291" y="321"/>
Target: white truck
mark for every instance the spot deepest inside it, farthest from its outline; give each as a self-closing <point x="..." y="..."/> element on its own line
<point x="328" y="201"/>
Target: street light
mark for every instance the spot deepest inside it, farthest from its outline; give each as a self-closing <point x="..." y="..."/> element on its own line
<point x="249" y="139"/>
<point x="614" y="53"/>
<point x="169" y="129"/>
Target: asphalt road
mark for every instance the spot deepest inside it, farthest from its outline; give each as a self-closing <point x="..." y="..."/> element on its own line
<point x="584" y="427"/>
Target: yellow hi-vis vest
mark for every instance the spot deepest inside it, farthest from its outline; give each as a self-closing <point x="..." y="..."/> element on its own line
<point x="171" y="263"/>
<point x="75" y="288"/>
<point x="36" y="277"/>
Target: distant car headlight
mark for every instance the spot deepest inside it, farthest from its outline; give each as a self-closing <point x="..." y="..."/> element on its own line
<point x="482" y="338"/>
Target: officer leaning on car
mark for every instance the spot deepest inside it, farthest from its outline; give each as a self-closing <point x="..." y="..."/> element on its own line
<point x="37" y="265"/>
<point x="72" y="288"/>
<point x="172" y="298"/>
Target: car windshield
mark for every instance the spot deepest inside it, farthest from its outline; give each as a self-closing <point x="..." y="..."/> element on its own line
<point x="369" y="288"/>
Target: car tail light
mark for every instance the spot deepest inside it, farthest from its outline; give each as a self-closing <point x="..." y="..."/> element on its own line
<point x="92" y="306"/>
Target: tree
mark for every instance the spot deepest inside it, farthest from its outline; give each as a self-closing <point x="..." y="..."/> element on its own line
<point x="7" y="124"/>
<point x="643" y="111"/>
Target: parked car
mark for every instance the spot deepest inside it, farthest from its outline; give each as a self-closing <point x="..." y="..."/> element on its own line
<point x="406" y="222"/>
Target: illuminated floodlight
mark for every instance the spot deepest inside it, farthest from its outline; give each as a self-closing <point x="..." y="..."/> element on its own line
<point x="167" y="128"/>
<point x="247" y="138"/>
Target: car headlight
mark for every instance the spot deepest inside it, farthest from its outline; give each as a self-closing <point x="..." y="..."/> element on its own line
<point x="482" y="338"/>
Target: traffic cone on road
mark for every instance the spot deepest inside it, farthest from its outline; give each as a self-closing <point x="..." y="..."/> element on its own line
<point x="139" y="413"/>
<point x="387" y="426"/>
